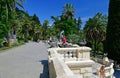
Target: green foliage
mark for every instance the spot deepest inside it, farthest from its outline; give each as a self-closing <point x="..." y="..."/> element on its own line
<point x="3" y="31"/>
<point x="95" y="27"/>
<point x="68" y="11"/>
<point x="67" y="22"/>
<point x="113" y="31"/>
<point x="68" y="26"/>
<point x="29" y="27"/>
<point x="79" y="22"/>
<point x="51" y="32"/>
<point x="8" y="17"/>
<point x="36" y="19"/>
<point x="75" y="38"/>
<point x="44" y="29"/>
<point x="95" y="30"/>
<point x="17" y="22"/>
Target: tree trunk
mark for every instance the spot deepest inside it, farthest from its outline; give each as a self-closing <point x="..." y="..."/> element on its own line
<point x="95" y="48"/>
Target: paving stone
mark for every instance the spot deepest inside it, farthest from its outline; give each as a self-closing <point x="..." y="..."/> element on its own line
<point x="26" y="61"/>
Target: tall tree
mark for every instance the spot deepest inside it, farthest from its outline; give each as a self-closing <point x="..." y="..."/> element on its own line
<point x="23" y="20"/>
<point x="3" y="32"/>
<point x="28" y="27"/>
<point x="67" y="22"/>
<point x="68" y="11"/>
<point x="78" y="23"/>
<point x="35" y="27"/>
<point x="7" y="14"/>
<point x="36" y="19"/>
<point x="44" y="31"/>
<point x="9" y="7"/>
<point x="95" y="30"/>
<point x="113" y="31"/>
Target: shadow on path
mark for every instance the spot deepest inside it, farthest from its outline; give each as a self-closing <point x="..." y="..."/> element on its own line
<point x="45" y="73"/>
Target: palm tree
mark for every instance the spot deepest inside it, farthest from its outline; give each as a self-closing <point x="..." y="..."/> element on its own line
<point x="7" y="8"/>
<point x="22" y="19"/>
<point x="95" y="30"/>
<point x="68" y="11"/>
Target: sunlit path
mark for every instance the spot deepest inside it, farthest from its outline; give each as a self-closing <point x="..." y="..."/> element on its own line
<point x="27" y="61"/>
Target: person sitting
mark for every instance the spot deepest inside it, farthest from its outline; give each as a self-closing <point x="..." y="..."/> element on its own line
<point x="64" y="41"/>
<point x="102" y="72"/>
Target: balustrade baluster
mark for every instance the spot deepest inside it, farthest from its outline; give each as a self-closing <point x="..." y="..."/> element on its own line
<point x="72" y="54"/>
<point x="75" y="55"/>
<point x="68" y="54"/>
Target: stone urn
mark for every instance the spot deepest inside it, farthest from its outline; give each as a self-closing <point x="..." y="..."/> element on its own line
<point x="83" y="42"/>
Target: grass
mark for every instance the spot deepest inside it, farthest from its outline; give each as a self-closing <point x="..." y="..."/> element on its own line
<point x="12" y="46"/>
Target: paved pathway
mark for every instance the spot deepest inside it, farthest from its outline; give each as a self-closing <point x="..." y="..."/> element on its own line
<point x="26" y="61"/>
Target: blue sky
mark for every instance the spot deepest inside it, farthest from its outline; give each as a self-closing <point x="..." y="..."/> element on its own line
<point x="85" y="9"/>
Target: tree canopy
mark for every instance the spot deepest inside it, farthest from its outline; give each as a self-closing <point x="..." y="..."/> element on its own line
<point x="95" y="30"/>
<point x="113" y="31"/>
<point x="66" y="21"/>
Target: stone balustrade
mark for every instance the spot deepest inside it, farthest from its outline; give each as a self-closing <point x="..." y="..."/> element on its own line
<point x="70" y="62"/>
<point x="74" y="54"/>
<point x="57" y="67"/>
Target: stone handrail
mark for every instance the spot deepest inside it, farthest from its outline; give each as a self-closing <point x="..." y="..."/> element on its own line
<point x="74" y="54"/>
<point x="70" y="62"/>
<point x="57" y="67"/>
<point x="74" y="63"/>
<point x="62" y="70"/>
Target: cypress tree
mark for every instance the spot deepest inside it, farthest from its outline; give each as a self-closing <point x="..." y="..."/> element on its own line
<point x="113" y="31"/>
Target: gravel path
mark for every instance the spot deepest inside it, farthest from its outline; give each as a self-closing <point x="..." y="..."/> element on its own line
<point x="26" y="61"/>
